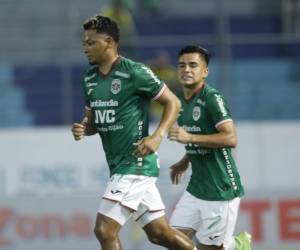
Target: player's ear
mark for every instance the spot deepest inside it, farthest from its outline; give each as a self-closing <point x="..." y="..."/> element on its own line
<point x="205" y="72"/>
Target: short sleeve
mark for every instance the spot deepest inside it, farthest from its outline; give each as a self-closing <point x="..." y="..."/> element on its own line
<point x="85" y="92"/>
<point x="218" y="109"/>
<point x="147" y="83"/>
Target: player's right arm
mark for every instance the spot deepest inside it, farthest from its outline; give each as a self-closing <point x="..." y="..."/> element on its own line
<point x="177" y="170"/>
<point x="85" y="127"/>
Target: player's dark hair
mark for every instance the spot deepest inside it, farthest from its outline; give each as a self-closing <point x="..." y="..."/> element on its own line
<point x="204" y="53"/>
<point x="102" y="24"/>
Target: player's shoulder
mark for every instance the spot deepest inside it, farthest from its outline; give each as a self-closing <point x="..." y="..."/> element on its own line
<point x="135" y="68"/>
<point x="127" y="67"/>
<point x="132" y="65"/>
<point x="127" y="63"/>
<point x="90" y="72"/>
<point x="210" y="91"/>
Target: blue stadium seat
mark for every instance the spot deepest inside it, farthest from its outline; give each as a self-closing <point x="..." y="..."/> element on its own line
<point x="13" y="110"/>
<point x="43" y="91"/>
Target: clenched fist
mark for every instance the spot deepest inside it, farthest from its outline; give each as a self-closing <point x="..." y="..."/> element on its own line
<point x="78" y="129"/>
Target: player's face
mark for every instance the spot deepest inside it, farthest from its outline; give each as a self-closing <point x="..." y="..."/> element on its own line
<point x="191" y="70"/>
<point x="95" y="46"/>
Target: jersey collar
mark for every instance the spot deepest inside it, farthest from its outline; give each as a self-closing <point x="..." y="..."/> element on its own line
<point x="113" y="66"/>
<point x="196" y="92"/>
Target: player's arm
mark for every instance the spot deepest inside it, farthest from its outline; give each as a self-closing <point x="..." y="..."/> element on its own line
<point x="85" y="127"/>
<point x="171" y="106"/>
<point x="225" y="137"/>
<point x="90" y="128"/>
<point x="177" y="170"/>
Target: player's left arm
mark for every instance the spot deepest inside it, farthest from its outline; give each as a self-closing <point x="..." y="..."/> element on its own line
<point x="171" y="106"/>
<point x="225" y="137"/>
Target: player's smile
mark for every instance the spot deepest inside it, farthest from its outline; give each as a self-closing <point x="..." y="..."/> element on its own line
<point x="187" y="77"/>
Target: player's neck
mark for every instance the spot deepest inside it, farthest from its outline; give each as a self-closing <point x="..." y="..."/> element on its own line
<point x="190" y="91"/>
<point x="106" y="66"/>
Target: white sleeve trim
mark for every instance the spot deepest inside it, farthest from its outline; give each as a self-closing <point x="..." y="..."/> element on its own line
<point x="222" y="122"/>
<point x="160" y="92"/>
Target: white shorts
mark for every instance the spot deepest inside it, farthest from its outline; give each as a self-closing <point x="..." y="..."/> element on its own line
<point x="132" y="195"/>
<point x="213" y="221"/>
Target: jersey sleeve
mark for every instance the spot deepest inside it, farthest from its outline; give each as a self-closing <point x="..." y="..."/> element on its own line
<point x="218" y="109"/>
<point x="85" y="92"/>
<point x="147" y="84"/>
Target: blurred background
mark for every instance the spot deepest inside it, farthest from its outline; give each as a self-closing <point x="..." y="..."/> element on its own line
<point x="50" y="186"/>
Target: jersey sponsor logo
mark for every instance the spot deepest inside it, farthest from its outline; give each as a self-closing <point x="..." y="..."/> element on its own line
<point x="100" y="103"/>
<point x="115" y="86"/>
<point x="87" y="78"/>
<point x="220" y="102"/>
<point x="124" y="75"/>
<point x="229" y="169"/>
<point x="191" y="129"/>
<point x="196" y="113"/>
<point x="150" y="72"/>
<point x="194" y="149"/>
<point x="198" y="151"/>
<point x="104" y="116"/>
<point x="112" y="128"/>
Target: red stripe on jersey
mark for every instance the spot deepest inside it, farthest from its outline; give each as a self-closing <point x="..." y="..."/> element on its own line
<point x="160" y="92"/>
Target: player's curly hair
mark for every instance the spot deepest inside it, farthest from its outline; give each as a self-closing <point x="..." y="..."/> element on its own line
<point x="204" y="53"/>
<point x="103" y="24"/>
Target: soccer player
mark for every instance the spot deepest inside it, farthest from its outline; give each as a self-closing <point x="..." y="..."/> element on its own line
<point x="208" y="208"/>
<point x="117" y="93"/>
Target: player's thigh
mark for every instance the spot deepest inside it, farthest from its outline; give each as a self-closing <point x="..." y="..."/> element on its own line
<point x="158" y="227"/>
<point x="187" y="215"/>
<point x="113" y="210"/>
<point x="106" y="228"/>
<point x="127" y="194"/>
<point x="218" y="222"/>
<point x="129" y="190"/>
<point x="187" y="231"/>
<point x="151" y="206"/>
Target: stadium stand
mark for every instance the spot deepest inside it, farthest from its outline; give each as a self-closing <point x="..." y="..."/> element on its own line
<point x="13" y="110"/>
<point x="257" y="86"/>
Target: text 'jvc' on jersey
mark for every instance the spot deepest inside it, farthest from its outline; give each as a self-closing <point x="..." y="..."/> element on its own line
<point x="104" y="116"/>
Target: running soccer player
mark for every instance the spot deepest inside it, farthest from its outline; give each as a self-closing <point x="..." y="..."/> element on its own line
<point x="117" y="93"/>
<point x="208" y="208"/>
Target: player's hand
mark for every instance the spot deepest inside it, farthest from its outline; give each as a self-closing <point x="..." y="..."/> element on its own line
<point x="78" y="129"/>
<point x="147" y="145"/>
<point x="177" y="171"/>
<point x="179" y="135"/>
